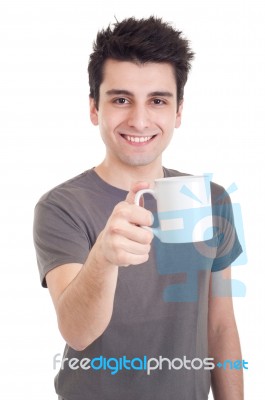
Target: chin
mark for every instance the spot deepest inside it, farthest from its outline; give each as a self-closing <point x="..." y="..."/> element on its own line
<point x="138" y="161"/>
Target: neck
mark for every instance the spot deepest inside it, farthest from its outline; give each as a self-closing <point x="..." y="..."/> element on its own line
<point x="123" y="176"/>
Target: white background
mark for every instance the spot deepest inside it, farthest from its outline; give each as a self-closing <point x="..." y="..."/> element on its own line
<point x="46" y="138"/>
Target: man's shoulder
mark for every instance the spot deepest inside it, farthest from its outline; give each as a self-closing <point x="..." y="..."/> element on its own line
<point x="169" y="172"/>
<point x="77" y="184"/>
<point x="84" y="191"/>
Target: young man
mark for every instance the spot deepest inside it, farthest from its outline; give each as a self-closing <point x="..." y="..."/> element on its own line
<point x="123" y="340"/>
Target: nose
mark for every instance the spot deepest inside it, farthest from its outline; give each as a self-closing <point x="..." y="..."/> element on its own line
<point x="139" y="118"/>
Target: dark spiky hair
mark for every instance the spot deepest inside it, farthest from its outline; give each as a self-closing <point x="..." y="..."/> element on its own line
<point x="140" y="41"/>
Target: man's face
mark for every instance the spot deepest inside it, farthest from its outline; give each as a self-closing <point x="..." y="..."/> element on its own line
<point x="137" y="111"/>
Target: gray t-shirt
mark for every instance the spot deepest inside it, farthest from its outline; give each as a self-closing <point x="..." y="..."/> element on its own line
<point x="160" y="311"/>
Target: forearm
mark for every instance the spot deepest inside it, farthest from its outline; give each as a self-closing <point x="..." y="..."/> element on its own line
<point x="84" y="297"/>
<point x="85" y="307"/>
<point x="227" y="383"/>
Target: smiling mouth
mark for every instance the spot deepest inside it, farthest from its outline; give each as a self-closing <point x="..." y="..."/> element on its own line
<point x="137" y="139"/>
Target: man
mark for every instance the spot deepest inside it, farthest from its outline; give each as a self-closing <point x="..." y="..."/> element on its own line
<point x="101" y="266"/>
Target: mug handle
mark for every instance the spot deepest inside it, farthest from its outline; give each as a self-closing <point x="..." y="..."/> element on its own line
<point x="137" y="198"/>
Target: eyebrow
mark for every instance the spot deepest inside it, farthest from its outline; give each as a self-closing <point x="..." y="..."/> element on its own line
<point x="158" y="93"/>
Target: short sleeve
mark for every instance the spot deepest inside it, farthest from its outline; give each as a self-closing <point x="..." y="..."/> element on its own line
<point x="228" y="245"/>
<point x="58" y="238"/>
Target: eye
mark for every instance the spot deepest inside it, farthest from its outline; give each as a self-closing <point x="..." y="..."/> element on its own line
<point x="158" y="102"/>
<point x="120" y="100"/>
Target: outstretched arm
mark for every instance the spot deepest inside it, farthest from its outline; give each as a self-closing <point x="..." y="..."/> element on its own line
<point x="83" y="295"/>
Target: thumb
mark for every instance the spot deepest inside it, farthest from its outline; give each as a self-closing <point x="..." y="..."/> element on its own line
<point x="135" y="187"/>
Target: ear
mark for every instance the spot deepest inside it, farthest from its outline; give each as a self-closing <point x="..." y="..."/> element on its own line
<point x="93" y="111"/>
<point x="179" y="114"/>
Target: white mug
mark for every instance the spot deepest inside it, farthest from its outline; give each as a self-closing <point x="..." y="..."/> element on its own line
<point x="183" y="207"/>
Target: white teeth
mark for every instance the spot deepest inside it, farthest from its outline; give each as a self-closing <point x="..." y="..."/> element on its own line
<point x="137" y="139"/>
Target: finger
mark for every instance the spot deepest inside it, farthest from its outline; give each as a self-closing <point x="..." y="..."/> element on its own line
<point x="133" y="214"/>
<point x="136" y="186"/>
<point x="140" y="216"/>
<point x="134" y="259"/>
<point x="134" y="233"/>
<point x="132" y="247"/>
